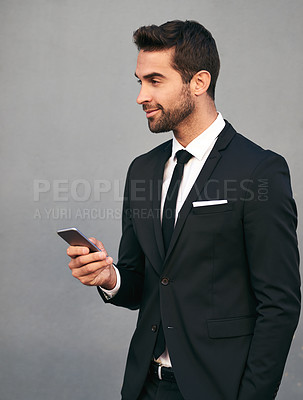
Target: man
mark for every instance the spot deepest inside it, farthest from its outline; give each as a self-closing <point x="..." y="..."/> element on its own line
<point x="208" y="252"/>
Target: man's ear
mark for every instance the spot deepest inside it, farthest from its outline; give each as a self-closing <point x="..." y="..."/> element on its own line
<point x="200" y="82"/>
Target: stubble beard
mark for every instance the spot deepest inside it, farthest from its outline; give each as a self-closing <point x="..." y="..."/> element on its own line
<point x="171" y="118"/>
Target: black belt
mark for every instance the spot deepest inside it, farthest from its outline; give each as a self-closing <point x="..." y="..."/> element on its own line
<point x="160" y="372"/>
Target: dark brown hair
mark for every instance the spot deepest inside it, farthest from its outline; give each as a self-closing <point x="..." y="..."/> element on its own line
<point x="195" y="48"/>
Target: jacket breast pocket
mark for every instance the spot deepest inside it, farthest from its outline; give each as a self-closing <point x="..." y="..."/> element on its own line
<point x="212" y="209"/>
<point x="231" y="327"/>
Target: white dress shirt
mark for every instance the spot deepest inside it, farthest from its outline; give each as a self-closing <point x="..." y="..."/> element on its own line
<point x="200" y="149"/>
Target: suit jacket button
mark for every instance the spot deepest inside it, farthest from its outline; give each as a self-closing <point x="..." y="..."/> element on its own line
<point x="154" y="328"/>
<point x="165" y="281"/>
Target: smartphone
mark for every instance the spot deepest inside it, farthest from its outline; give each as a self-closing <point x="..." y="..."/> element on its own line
<point x="75" y="238"/>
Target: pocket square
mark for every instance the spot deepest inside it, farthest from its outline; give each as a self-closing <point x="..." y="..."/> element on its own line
<point x="208" y="203"/>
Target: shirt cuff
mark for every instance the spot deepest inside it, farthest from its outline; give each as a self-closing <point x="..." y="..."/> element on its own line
<point x="109" y="294"/>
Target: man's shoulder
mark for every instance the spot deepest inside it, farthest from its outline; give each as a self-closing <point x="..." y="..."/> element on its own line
<point x="163" y="147"/>
<point x="246" y="155"/>
<point x="246" y="147"/>
<point x="153" y="156"/>
<point x="230" y="136"/>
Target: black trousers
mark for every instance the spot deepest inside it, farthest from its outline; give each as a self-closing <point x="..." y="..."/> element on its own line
<point x="155" y="389"/>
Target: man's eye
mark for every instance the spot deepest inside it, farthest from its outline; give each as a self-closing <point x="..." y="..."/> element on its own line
<point x="154" y="82"/>
<point x="140" y="82"/>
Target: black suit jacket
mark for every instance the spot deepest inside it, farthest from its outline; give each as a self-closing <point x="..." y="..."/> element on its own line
<point x="228" y="289"/>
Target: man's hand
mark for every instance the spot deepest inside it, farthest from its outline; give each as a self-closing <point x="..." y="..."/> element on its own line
<point x="92" y="269"/>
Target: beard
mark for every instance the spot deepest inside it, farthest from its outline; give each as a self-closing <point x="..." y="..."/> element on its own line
<point x="171" y="118"/>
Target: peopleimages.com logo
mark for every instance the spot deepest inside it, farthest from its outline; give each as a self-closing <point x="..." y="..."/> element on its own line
<point x="62" y="191"/>
<point x="81" y="190"/>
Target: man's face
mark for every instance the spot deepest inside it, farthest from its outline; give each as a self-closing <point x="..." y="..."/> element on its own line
<point x="166" y="100"/>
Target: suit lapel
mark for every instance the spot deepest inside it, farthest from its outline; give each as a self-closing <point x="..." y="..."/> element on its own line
<point x="224" y="139"/>
<point x="157" y="192"/>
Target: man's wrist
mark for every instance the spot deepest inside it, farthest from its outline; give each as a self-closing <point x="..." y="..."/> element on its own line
<point x="111" y="283"/>
<point x="110" y="293"/>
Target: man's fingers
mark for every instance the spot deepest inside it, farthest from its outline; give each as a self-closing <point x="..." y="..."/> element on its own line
<point x="75" y="251"/>
<point x="85" y="259"/>
<point x="87" y="264"/>
<point x="90" y="269"/>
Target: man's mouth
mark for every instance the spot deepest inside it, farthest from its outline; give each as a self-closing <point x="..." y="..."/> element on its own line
<point x="151" y="112"/>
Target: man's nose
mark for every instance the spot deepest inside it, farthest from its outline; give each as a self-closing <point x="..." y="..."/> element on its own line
<point x="144" y="96"/>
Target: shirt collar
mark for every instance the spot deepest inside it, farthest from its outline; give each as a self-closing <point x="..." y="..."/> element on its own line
<point x="201" y="143"/>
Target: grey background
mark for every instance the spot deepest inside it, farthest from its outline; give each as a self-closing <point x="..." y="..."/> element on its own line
<point x="69" y="118"/>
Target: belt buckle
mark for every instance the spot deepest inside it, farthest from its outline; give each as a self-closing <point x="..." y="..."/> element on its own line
<point x="160" y="372"/>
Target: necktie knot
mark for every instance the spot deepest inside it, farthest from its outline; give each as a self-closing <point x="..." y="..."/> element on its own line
<point x="183" y="156"/>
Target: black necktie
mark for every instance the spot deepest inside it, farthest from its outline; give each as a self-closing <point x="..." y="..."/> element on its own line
<point x="169" y="210"/>
<point x="168" y="224"/>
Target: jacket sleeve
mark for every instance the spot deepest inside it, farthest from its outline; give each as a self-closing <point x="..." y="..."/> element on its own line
<point x="269" y="222"/>
<point x="131" y="259"/>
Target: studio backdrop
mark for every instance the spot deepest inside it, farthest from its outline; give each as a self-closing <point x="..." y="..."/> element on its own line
<point x="70" y="127"/>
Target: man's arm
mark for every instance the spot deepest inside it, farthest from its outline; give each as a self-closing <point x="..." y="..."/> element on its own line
<point x="270" y="235"/>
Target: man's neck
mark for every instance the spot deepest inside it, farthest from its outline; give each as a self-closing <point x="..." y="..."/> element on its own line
<point x="195" y="124"/>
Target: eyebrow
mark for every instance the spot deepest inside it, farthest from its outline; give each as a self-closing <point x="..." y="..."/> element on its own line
<point x="151" y="75"/>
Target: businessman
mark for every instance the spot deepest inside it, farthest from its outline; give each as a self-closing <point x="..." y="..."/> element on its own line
<point x="208" y="252"/>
